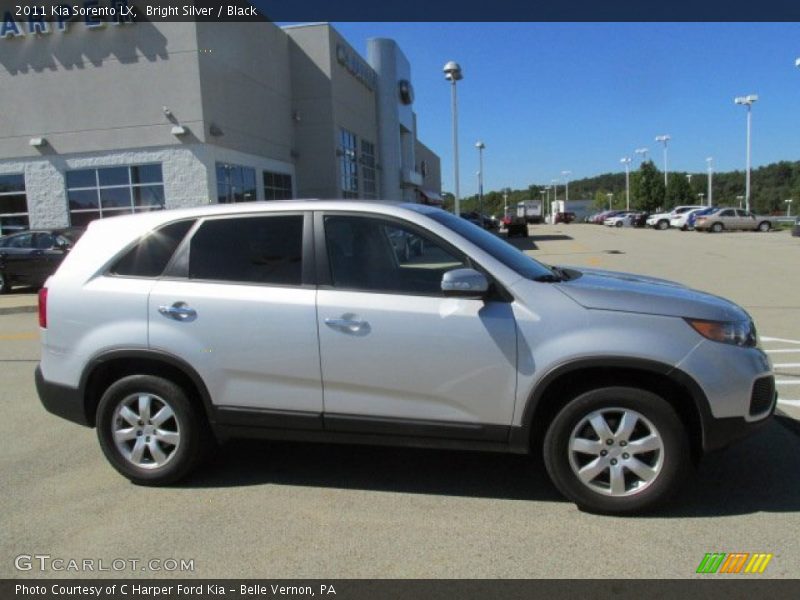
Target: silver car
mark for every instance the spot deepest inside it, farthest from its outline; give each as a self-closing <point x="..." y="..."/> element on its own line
<point x="300" y="320"/>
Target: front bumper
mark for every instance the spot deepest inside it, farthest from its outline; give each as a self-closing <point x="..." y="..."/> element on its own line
<point x="720" y="433"/>
<point x="61" y="400"/>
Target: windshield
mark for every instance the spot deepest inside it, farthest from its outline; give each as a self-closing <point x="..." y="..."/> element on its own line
<point x="491" y="244"/>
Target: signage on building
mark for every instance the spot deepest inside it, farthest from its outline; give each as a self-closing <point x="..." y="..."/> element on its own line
<point x="355" y="66"/>
<point x="25" y="20"/>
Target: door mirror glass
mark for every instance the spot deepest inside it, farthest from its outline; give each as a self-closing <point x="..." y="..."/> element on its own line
<point x="464" y="283"/>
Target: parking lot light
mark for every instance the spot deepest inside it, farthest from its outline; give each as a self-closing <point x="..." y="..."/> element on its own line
<point x="747" y="101"/>
<point x="710" y="163"/>
<point x="664" y="139"/>
<point x="789" y="202"/>
<point x="642" y="152"/>
<point x="610" y="198"/>
<point x="453" y="74"/>
<point x="627" y="162"/>
<point x="566" y="175"/>
<point x="480" y="146"/>
<point x="740" y="199"/>
<point x="555" y="197"/>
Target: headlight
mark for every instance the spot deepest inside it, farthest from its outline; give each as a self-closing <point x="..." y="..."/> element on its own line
<point x="739" y="333"/>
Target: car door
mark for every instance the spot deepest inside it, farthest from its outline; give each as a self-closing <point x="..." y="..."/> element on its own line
<point x="238" y="305"/>
<point x="397" y="355"/>
<point x="728" y="218"/>
<point x="15" y="258"/>
<point x="746" y="220"/>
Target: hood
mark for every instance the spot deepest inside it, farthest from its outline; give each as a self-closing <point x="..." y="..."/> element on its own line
<point x="625" y="292"/>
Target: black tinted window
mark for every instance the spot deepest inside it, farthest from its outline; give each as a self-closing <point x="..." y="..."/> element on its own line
<point x="249" y="250"/>
<point x="150" y="256"/>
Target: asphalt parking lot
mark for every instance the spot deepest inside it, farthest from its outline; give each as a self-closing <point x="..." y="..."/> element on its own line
<point x="280" y="510"/>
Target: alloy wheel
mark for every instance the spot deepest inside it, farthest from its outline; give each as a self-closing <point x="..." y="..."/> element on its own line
<point x="145" y="430"/>
<point x="616" y="452"/>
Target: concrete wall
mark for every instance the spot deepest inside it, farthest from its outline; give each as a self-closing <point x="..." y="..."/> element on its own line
<point x="433" y="172"/>
<point x="310" y="65"/>
<point x="88" y="90"/>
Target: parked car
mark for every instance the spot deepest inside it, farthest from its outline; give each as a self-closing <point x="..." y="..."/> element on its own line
<point x="296" y="320"/>
<point x="733" y="219"/>
<point x="694" y="214"/>
<point x="481" y="220"/>
<point x="30" y="257"/>
<point x="661" y="221"/>
<point x="623" y="219"/>
<point x="684" y="221"/>
<point x="601" y="217"/>
<point x="564" y="217"/>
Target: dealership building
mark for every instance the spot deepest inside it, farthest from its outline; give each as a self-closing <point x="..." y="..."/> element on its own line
<point x="103" y="118"/>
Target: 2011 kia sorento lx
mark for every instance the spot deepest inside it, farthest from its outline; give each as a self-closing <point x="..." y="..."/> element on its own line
<point x="301" y="320"/>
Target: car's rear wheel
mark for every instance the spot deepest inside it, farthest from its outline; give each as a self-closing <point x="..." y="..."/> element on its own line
<point x="618" y="224"/>
<point x="764" y="226"/>
<point x="662" y="225"/>
<point x="149" y="430"/>
<point x="617" y="450"/>
<point x="717" y="227"/>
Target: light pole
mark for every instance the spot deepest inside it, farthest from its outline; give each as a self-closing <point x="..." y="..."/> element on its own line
<point x="505" y="202"/>
<point x="664" y="138"/>
<point x="555" y="197"/>
<point x="627" y="162"/>
<point x="480" y="146"/>
<point x="642" y="152"/>
<point x="747" y="101"/>
<point x="565" y="175"/>
<point x="689" y="178"/>
<point x="740" y="198"/>
<point x="790" y="200"/>
<point x="610" y="197"/>
<point x="701" y="195"/>
<point x="710" y="163"/>
<point x="452" y="73"/>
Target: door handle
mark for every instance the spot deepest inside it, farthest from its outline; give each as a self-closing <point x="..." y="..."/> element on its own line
<point x="348" y="324"/>
<point x="180" y="311"/>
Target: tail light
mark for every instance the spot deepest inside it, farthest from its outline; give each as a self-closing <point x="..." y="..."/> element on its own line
<point x="43" y="308"/>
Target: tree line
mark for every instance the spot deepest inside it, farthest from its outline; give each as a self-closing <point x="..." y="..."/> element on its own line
<point x="770" y="187"/>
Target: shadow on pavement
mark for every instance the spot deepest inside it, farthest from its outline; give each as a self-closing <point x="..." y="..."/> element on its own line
<point x="759" y="474"/>
<point x="521" y="243"/>
<point x="553" y="237"/>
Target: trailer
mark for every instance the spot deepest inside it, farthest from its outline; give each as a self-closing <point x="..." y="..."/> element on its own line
<point x="530" y="210"/>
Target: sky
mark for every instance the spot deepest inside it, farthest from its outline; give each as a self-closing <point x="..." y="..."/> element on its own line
<point x="547" y="97"/>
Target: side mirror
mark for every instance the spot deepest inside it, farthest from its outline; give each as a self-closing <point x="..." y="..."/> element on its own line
<point x="63" y="246"/>
<point x="464" y="283"/>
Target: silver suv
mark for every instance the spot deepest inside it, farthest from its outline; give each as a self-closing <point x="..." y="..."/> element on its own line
<point x="301" y="320"/>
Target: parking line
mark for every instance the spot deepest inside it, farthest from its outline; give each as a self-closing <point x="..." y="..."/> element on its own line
<point x="790" y="402"/>
<point x="19" y="336"/>
<point x="788" y="382"/>
<point x="783" y="351"/>
<point x="772" y="339"/>
<point x="786" y="365"/>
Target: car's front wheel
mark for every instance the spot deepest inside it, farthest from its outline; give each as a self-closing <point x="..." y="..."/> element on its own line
<point x="662" y="225"/>
<point x="149" y="430"/>
<point x="617" y="450"/>
<point x="5" y="285"/>
<point x="764" y="226"/>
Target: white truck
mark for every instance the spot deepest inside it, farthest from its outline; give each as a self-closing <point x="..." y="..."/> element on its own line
<point x="530" y="210"/>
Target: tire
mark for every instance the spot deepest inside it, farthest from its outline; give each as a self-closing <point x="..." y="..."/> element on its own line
<point x="5" y="286"/>
<point x="764" y="226"/>
<point x="717" y="227"/>
<point x="662" y="225"/>
<point x="664" y="468"/>
<point x="187" y="422"/>
<point x="618" y="224"/>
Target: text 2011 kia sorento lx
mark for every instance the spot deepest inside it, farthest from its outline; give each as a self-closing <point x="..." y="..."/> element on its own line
<point x="303" y="320"/>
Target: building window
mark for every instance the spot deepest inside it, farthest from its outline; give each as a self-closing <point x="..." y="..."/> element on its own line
<point x="277" y="186"/>
<point x="97" y="193"/>
<point x="370" y="178"/>
<point x="235" y="183"/>
<point x="348" y="164"/>
<point x="13" y="204"/>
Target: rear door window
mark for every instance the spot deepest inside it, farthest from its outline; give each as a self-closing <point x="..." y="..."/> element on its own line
<point x="264" y="250"/>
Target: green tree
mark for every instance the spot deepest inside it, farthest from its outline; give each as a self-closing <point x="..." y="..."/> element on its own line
<point x="679" y="191"/>
<point x="647" y="187"/>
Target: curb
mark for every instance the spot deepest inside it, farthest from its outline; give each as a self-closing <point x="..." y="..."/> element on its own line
<point x="14" y="310"/>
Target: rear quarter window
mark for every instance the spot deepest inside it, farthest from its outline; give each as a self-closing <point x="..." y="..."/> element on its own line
<point x="149" y="257"/>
